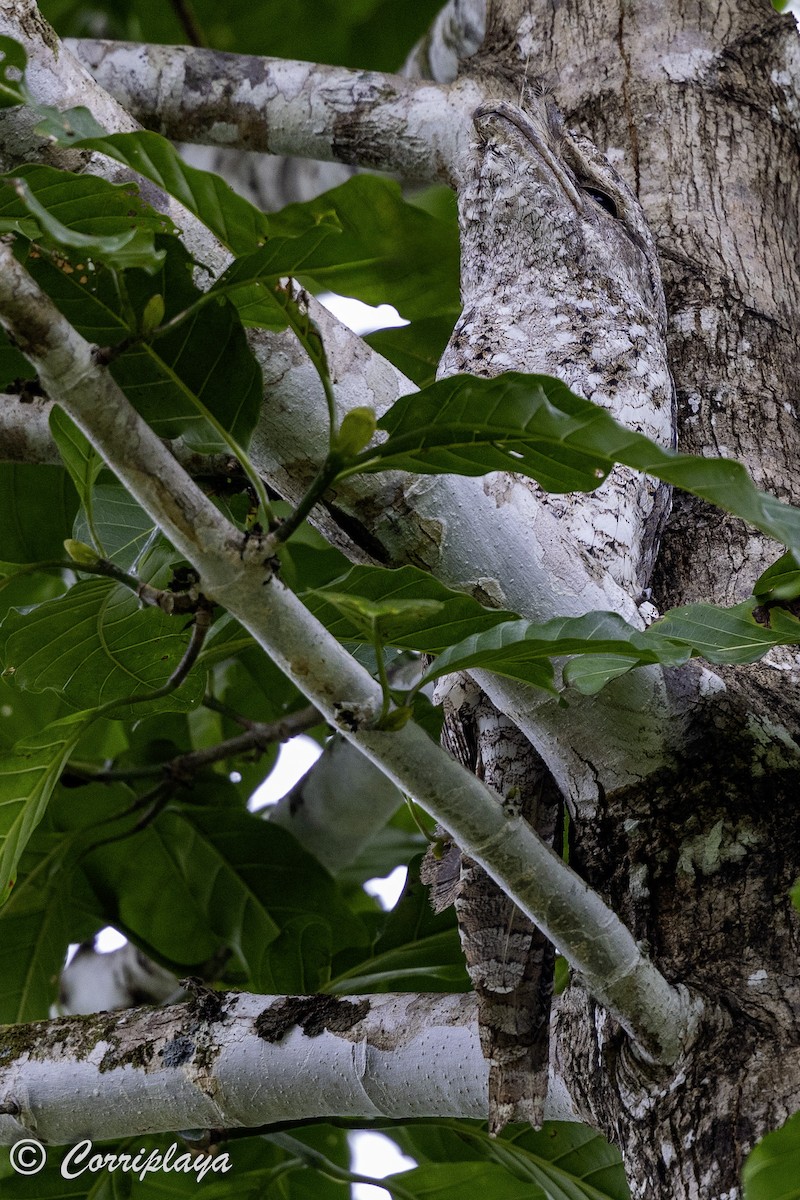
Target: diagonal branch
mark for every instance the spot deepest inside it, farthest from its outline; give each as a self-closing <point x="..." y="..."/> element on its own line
<point x="236" y="572"/>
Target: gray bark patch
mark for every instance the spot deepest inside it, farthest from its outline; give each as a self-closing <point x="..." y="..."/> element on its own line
<point x="313" y="1014"/>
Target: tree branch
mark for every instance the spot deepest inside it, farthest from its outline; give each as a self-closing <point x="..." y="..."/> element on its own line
<point x="456" y="33"/>
<point x="370" y="118"/>
<point x="236" y="573"/>
<point x="338" y="805"/>
<point x="228" y="1060"/>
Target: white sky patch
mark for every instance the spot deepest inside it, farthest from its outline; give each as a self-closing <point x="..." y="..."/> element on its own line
<point x="378" y="1156"/>
<point x="108" y="939"/>
<point x="389" y="888"/>
<point x="361" y="318"/>
<point x="294" y="759"/>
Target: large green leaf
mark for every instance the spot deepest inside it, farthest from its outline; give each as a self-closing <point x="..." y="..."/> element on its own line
<point x="416" y="612"/>
<point x="200" y="371"/>
<point x="387" y="591"/>
<point x="28" y="774"/>
<point x="609" y="646"/>
<point x="89" y="217"/>
<point x="417" y="950"/>
<point x="201" y="879"/>
<point x="95" y="645"/>
<point x="127" y="532"/>
<point x="415" y="349"/>
<point x="535" y="426"/>
<point x="49" y="907"/>
<point x="38" y="504"/>
<point x="250" y="280"/>
<point x="772" y="1169"/>
<point x="562" y="1161"/>
<point x="389" y="250"/>
<point x="236" y="222"/>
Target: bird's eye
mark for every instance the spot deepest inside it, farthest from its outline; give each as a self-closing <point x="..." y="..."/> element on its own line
<point x="603" y="199"/>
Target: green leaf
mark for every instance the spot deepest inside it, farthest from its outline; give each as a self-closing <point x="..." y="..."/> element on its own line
<point x="238" y="224"/>
<point x="415" y="349"/>
<point x="522" y="649"/>
<point x="13" y="61"/>
<point x="455" y="1180"/>
<point x="38" y="504"/>
<point x="125" y="530"/>
<point x="200" y="372"/>
<point x="378" y="590"/>
<point x="389" y="250"/>
<point x="227" y="879"/>
<point x="79" y="457"/>
<point x="781" y="581"/>
<point x="124" y="245"/>
<point x="535" y="426"/>
<point x="772" y="1169"/>
<point x="249" y="281"/>
<point x="795" y="895"/>
<point x="725" y="635"/>
<point x="95" y="645"/>
<point x="417" y="950"/>
<point x="49" y="907"/>
<point x="464" y="634"/>
<point x="562" y="1161"/>
<point x="370" y="615"/>
<point x="28" y="774"/>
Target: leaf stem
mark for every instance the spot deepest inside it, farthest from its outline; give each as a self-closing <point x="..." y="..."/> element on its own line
<point x="320" y="1162"/>
<point x="319" y="485"/>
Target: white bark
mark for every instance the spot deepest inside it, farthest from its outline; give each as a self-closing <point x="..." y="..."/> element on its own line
<point x="455" y="34"/>
<point x="153" y="1070"/>
<point x="235" y="573"/>
<point x="385" y="122"/>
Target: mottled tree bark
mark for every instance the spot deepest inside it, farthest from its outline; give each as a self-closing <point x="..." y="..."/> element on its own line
<point x="697" y="105"/>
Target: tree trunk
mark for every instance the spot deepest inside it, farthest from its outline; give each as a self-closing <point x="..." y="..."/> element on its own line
<point x="695" y="106"/>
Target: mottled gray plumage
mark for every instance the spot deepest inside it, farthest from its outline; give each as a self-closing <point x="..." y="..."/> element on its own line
<point x="553" y="282"/>
<point x="510" y="962"/>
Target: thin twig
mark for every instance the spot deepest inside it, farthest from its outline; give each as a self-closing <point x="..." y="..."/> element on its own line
<point x="258" y="737"/>
<point x="189" y="23"/>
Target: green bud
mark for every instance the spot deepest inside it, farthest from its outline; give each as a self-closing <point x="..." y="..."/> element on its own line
<point x="395" y="720"/>
<point x="355" y="431"/>
<point x="79" y="552"/>
<point x="153" y="315"/>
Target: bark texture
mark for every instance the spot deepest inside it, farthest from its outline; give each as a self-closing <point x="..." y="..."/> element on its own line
<point x="697" y="106"/>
